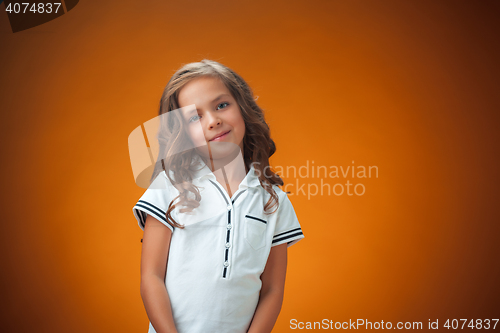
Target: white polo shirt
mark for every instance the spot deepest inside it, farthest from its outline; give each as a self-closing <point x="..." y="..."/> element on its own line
<point x="215" y="261"/>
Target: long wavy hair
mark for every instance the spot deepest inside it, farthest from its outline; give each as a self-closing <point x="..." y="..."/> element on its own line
<point x="257" y="143"/>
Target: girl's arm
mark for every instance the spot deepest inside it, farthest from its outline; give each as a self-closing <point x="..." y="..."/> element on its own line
<point x="155" y="247"/>
<point x="271" y="294"/>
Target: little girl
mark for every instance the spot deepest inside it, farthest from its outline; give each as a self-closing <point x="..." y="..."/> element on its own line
<point x="216" y="224"/>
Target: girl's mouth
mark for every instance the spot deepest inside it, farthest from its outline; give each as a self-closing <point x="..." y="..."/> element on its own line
<point x="220" y="137"/>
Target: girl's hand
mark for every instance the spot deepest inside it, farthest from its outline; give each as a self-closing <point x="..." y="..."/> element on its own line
<point x="271" y="293"/>
<point x="155" y="248"/>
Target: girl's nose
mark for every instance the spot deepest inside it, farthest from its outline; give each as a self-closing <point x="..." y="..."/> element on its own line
<point x="213" y="120"/>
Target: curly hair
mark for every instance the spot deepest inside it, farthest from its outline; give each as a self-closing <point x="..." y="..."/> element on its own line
<point x="257" y="143"/>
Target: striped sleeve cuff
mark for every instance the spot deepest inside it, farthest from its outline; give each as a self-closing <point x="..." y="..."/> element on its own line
<point x="290" y="237"/>
<point x="142" y="208"/>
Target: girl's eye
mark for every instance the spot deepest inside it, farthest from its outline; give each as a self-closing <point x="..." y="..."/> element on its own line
<point x="194" y="118"/>
<point x="226" y="104"/>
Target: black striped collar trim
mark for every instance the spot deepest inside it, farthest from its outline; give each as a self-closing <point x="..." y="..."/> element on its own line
<point x="222" y="193"/>
<point x="236" y="197"/>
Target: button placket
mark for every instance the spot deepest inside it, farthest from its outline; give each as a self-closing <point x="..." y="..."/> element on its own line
<point x="229" y="226"/>
<point x="225" y="264"/>
<point x="229" y="239"/>
<point x="227" y="245"/>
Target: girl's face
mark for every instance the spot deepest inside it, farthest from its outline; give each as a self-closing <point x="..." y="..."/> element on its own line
<point x="216" y="123"/>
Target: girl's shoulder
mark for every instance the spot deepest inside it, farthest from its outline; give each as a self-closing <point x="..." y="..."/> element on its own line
<point x="279" y="192"/>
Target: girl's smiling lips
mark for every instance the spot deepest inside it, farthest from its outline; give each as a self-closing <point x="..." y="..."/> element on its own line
<point x="220" y="136"/>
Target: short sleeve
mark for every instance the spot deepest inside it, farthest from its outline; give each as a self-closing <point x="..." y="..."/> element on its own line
<point x="287" y="228"/>
<point x="154" y="202"/>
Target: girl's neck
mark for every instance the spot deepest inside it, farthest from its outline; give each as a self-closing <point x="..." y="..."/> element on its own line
<point x="229" y="171"/>
<point x="232" y="172"/>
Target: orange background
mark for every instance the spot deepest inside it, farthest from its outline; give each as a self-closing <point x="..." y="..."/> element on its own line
<point x="408" y="86"/>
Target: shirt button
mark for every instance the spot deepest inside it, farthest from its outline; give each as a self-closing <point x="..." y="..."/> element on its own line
<point x="228" y="245"/>
<point x="226" y="263"/>
<point x="229" y="226"/>
<point x="229" y="207"/>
